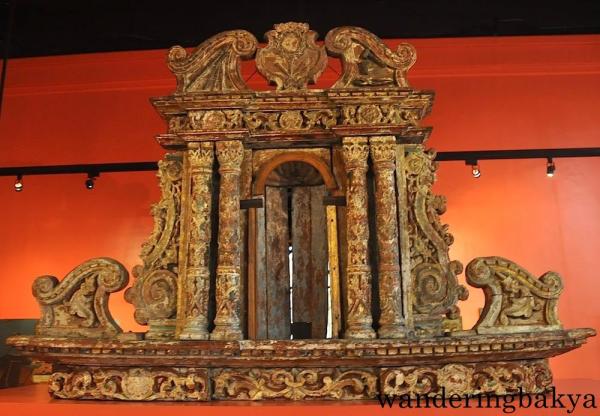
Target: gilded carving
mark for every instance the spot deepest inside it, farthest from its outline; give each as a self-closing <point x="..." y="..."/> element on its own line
<point x="383" y="154"/>
<point x="215" y="119"/>
<point x="138" y="384"/>
<point x="291" y="59"/>
<point x="77" y="306"/>
<point x="465" y="379"/>
<point x="193" y="324"/>
<point x="367" y="61"/>
<point x="436" y="288"/>
<point x="214" y="65"/>
<point x="358" y="273"/>
<point x="295" y="384"/>
<point x="154" y="292"/>
<point x="227" y="321"/>
<point x="369" y="114"/>
<point x="291" y="120"/>
<point x="514" y="299"/>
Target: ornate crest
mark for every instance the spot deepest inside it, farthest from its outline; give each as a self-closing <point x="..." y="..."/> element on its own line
<point x="291" y="60"/>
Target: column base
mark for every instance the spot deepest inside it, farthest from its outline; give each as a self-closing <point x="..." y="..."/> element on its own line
<point x="392" y="331"/>
<point x="360" y="333"/>
<point x="226" y="333"/>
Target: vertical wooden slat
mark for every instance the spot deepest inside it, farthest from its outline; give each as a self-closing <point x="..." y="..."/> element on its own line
<point x="301" y="251"/>
<point x="334" y="270"/>
<point x="277" y="270"/>
<point x="261" y="275"/>
<point x="318" y="252"/>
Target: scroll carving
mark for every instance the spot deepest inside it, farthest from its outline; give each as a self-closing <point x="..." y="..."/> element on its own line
<point x="77" y="307"/>
<point x="154" y="292"/>
<point x="131" y="384"/>
<point x="214" y="65"/>
<point x="227" y="321"/>
<point x="515" y="301"/>
<point x="295" y="384"/>
<point x="383" y="154"/>
<point x="291" y="59"/>
<point x="358" y="272"/>
<point x="436" y="288"/>
<point x="193" y="324"/>
<point x="492" y="378"/>
<point x="367" y="61"/>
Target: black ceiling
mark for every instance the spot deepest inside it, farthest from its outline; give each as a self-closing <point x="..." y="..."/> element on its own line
<point x="55" y="27"/>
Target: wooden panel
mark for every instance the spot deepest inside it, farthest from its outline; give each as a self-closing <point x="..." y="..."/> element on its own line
<point x="260" y="306"/>
<point x="309" y="242"/>
<point x="277" y="263"/>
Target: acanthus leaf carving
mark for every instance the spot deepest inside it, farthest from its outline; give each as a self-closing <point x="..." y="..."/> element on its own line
<point x="514" y="299"/>
<point x="367" y="61"/>
<point x="77" y="306"/>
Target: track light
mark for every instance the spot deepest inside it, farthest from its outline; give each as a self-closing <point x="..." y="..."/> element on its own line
<point x="19" y="183"/>
<point x="89" y="182"/>
<point x="550" y="168"/>
<point x="475" y="171"/>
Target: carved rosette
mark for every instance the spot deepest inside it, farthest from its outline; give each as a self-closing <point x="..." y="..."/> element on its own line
<point x="515" y="301"/>
<point x="295" y="384"/>
<point x="194" y="293"/>
<point x="291" y="59"/>
<point x="77" y="306"/>
<point x="154" y="293"/>
<point x="383" y="155"/>
<point x="227" y="320"/>
<point x="215" y="119"/>
<point x="499" y="378"/>
<point x="436" y="288"/>
<point x="358" y="273"/>
<point x="370" y="114"/>
<point x="131" y="384"/>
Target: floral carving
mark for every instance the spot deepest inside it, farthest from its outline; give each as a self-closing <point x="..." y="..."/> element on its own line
<point x="492" y="378"/>
<point x="291" y="120"/>
<point x="131" y="384"/>
<point x="154" y="292"/>
<point x="380" y="114"/>
<point x="295" y="384"/>
<point x="214" y="65"/>
<point x="215" y="119"/>
<point x="291" y="59"/>
<point x="78" y="305"/>
<point x="436" y="289"/>
<point x="514" y="299"/>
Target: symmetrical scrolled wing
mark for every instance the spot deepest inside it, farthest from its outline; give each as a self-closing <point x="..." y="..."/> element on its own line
<point x="214" y="65"/>
<point x="367" y="61"/>
<point x="77" y="306"/>
<point x="515" y="301"/>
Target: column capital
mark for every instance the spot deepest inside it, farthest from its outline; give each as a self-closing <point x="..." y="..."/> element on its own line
<point x="355" y="151"/>
<point x="230" y="154"/>
<point x="201" y="155"/>
<point x="383" y="149"/>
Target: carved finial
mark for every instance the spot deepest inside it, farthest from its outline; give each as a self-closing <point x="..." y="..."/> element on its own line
<point x="78" y="305"/>
<point x="215" y="63"/>
<point x="291" y="59"/>
<point x="367" y="61"/>
<point x="515" y="301"/>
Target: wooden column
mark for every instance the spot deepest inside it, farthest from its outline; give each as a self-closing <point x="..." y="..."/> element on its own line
<point x="358" y="272"/>
<point x="192" y="322"/>
<point x="227" y="320"/>
<point x="383" y="155"/>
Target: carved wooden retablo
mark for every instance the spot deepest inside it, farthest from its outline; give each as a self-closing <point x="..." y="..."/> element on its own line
<point x="297" y="251"/>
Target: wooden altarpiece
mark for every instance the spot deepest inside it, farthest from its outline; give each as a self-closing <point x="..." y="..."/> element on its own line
<point x="297" y="251"/>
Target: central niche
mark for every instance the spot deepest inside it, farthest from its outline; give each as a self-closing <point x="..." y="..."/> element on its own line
<point x="295" y="285"/>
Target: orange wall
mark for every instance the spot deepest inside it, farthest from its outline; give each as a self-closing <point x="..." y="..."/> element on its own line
<point x="491" y="93"/>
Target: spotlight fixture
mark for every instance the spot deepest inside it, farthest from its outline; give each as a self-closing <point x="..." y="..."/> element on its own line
<point x="550" y="168"/>
<point x="475" y="171"/>
<point x="89" y="182"/>
<point x="19" y="183"/>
